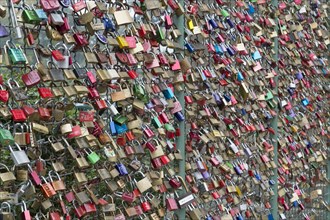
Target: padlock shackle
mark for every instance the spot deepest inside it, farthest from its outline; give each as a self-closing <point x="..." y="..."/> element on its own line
<point x="51" y="176"/>
<point x="3" y="165"/>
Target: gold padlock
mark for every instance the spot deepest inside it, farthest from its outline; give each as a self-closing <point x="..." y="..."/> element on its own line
<point x="123" y="44"/>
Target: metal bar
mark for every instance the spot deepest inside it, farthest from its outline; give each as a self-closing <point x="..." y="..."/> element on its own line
<point x="274" y="125"/>
<point x="181" y="140"/>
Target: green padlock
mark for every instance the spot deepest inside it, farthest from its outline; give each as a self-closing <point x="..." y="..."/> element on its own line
<point x="230" y="126"/>
<point x="92" y="157"/>
<point x="16" y="54"/>
<point x="145" y="98"/>
<point x="155" y="122"/>
<point x="119" y="119"/>
<point x="272" y="103"/>
<point x="139" y="91"/>
<point x="224" y="13"/>
<point x="269" y="95"/>
<point x="229" y="165"/>
<point x="288" y="117"/>
<point x="160" y="36"/>
<point x="30" y="16"/>
<point x="6" y="138"/>
<point x="169" y="127"/>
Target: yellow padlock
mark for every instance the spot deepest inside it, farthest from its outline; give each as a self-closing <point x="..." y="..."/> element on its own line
<point x="238" y="191"/>
<point x="190" y="24"/>
<point x="294" y="128"/>
<point x="123" y="44"/>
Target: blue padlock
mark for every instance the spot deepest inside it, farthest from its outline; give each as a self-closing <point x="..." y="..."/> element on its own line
<point x="213" y="23"/>
<point x="112" y="127"/>
<point x="271" y="182"/>
<point x="243" y="111"/>
<point x="218" y="49"/>
<point x="270" y="216"/>
<point x="295" y="204"/>
<point x="227" y="97"/>
<point x="168" y="93"/>
<point x="121" y="169"/>
<point x="304" y="101"/>
<point x="189" y="47"/>
<point x="240" y="76"/>
<point x="121" y="128"/>
<point x="251" y="9"/>
<point x="230" y="23"/>
<point x="179" y="115"/>
<point x="108" y="24"/>
<point x="257" y="176"/>
<point x="230" y="51"/>
<point x="239" y="217"/>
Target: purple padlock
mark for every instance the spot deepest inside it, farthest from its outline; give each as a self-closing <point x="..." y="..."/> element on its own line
<point x="217" y="98"/>
<point x="150" y="105"/>
<point x="292" y="113"/>
<point x="299" y="76"/>
<point x="200" y="165"/>
<point x="179" y="115"/>
<point x="206" y="175"/>
<point x="230" y="51"/>
<point x="230" y="23"/>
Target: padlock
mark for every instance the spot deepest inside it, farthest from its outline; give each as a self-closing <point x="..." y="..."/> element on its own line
<point x="92" y="156"/>
<point x="15" y="53"/>
<point x="47" y="189"/>
<point x="30" y="16"/>
<point x="25" y="215"/>
<point x="19" y="156"/>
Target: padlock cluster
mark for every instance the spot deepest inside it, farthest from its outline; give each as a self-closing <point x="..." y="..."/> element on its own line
<point x="164" y="109"/>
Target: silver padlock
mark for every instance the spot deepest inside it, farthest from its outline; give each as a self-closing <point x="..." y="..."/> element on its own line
<point x="56" y="18"/>
<point x="19" y="156"/>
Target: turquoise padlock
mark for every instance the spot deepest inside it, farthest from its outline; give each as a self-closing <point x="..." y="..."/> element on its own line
<point x="305" y="102"/>
<point x="256" y="55"/>
<point x="168" y="93"/>
<point x="240" y="76"/>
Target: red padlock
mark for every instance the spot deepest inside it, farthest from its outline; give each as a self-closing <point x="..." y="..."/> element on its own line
<point x="34" y="176"/>
<point x="171" y="204"/>
<point x="78" y="210"/>
<point x="156" y="163"/>
<point x="18" y="115"/>
<point x="164" y="159"/>
<point x="148" y="132"/>
<point x="145" y="205"/>
<point x="150" y="146"/>
<point x="31" y="78"/>
<point x="175" y="183"/>
<point x="44" y="113"/>
<point x="90" y="207"/>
